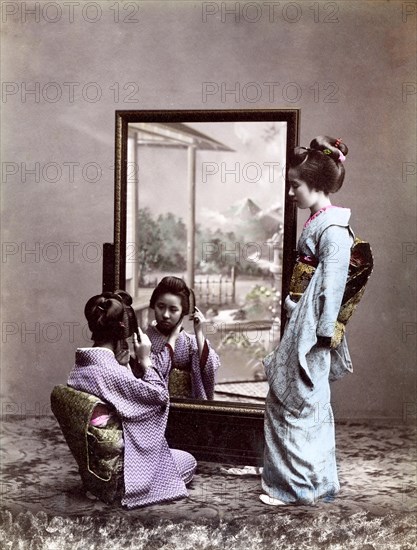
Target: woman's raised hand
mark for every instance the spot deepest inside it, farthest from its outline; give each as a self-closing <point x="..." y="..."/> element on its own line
<point x="174" y="334"/>
<point x="143" y="347"/>
<point x="199" y="321"/>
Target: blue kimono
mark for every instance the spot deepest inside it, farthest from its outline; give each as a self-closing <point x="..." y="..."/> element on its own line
<point x="299" y="461"/>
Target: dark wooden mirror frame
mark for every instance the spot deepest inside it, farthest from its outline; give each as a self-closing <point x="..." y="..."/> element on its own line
<point x="215" y="431"/>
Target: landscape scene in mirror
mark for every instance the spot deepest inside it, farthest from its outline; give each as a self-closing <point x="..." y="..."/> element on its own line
<point x="205" y="202"/>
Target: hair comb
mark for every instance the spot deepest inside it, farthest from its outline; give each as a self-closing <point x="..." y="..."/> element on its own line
<point x="192" y="304"/>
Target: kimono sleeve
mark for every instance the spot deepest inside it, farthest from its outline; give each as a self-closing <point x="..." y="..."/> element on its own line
<point x="334" y="257"/>
<point x="133" y="398"/>
<point x="162" y="361"/>
<point x="203" y="370"/>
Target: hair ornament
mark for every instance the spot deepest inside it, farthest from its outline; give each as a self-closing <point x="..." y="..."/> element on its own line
<point x="338" y="142"/>
<point x="100" y="307"/>
<point x="342" y="157"/>
<point x="327" y="151"/>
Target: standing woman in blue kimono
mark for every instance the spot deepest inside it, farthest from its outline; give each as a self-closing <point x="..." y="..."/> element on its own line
<point x="299" y="460"/>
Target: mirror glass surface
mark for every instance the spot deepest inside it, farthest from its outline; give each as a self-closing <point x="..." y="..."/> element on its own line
<point x="205" y="201"/>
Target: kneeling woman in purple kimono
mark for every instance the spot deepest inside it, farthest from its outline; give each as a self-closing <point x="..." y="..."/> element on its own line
<point x="299" y="460"/>
<point x="194" y="361"/>
<point x="152" y="471"/>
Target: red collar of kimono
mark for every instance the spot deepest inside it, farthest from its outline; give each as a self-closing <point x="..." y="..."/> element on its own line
<point x="314" y="216"/>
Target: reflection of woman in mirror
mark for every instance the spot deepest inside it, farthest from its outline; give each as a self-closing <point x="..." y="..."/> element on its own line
<point x="299" y="461"/>
<point x="152" y="471"/>
<point x="194" y="361"/>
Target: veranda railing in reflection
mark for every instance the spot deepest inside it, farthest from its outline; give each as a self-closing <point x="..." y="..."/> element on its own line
<point x="210" y="291"/>
<point x="215" y="290"/>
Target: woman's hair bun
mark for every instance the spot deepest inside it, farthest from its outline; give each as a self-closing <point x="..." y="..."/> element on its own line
<point x="331" y="146"/>
<point x="110" y="316"/>
<point x="105" y="304"/>
<point x="321" y="165"/>
<point x="125" y="297"/>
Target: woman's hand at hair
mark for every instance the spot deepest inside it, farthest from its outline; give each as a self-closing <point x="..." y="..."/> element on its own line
<point x="199" y="321"/>
<point x="141" y="345"/>
<point x="142" y="351"/>
<point x="172" y="338"/>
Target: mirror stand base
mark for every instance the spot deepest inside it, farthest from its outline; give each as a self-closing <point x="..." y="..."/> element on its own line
<point x="216" y="434"/>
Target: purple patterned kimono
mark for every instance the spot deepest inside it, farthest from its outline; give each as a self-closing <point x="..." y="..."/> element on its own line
<point x="152" y="472"/>
<point x="186" y="357"/>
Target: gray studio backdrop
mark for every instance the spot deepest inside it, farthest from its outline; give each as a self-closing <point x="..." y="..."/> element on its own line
<point x="349" y="66"/>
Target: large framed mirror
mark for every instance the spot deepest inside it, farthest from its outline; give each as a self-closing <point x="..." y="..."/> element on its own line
<point x="201" y="195"/>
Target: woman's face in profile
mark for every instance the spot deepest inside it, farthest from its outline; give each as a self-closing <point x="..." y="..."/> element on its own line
<point x="168" y="312"/>
<point x="300" y="192"/>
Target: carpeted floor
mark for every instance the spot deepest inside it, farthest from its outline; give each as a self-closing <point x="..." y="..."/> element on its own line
<point x="42" y="498"/>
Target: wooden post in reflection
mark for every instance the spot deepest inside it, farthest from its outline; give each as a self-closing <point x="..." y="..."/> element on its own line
<point x="134" y="171"/>
<point x="191" y="216"/>
<point x="132" y="267"/>
<point x="233" y="276"/>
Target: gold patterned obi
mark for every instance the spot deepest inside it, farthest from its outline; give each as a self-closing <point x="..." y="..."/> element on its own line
<point x="360" y="268"/>
<point x="179" y="384"/>
<point x="99" y="452"/>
